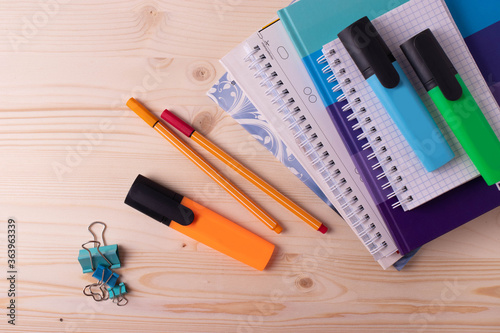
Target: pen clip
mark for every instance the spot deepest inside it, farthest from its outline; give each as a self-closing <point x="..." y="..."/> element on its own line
<point x="370" y="52"/>
<point x="434" y="67"/>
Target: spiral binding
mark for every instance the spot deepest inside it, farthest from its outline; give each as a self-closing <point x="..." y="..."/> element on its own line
<point x="361" y="114"/>
<point x="315" y="151"/>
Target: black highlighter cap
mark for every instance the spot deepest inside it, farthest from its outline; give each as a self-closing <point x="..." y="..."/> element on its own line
<point x="158" y="202"/>
<point x="432" y="65"/>
<point x="369" y="52"/>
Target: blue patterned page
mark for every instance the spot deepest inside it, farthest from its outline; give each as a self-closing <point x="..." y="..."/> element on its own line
<point x="229" y="96"/>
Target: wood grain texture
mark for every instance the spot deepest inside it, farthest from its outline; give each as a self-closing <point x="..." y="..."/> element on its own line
<point x="70" y="150"/>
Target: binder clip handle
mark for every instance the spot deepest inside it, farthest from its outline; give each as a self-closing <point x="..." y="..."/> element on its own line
<point x="102" y="233"/>
<point x="100" y="296"/>
<point x="90" y="254"/>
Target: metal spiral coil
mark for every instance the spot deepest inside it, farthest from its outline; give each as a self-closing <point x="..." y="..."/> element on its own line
<point x="362" y="115"/>
<point x="275" y="89"/>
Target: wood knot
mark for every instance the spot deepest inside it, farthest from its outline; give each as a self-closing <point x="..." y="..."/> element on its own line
<point x="304" y="283"/>
<point x="149" y="10"/>
<point x="201" y="72"/>
<point x="150" y="18"/>
<point x="204" y="122"/>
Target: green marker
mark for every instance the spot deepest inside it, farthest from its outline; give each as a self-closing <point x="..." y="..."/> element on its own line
<point x="455" y="102"/>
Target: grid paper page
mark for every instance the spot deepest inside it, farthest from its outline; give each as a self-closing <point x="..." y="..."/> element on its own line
<point x="396" y="27"/>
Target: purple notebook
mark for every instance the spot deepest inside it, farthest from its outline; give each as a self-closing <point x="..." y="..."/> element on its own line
<point x="414" y="228"/>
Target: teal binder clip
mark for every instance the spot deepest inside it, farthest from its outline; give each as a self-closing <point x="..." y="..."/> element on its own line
<point x="105" y="276"/>
<point x="99" y="261"/>
<point x="117" y="294"/>
<point x="106" y="255"/>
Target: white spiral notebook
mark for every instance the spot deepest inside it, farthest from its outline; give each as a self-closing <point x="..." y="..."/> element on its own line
<point x="393" y="158"/>
<point x="270" y="72"/>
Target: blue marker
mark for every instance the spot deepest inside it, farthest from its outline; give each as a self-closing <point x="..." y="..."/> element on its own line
<point x="395" y="92"/>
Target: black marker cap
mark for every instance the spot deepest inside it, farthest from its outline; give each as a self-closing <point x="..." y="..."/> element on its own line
<point x="158" y="202"/>
<point x="370" y="52"/>
<point x="432" y="65"/>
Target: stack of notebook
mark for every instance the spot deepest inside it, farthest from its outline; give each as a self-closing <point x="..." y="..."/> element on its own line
<point x="296" y="89"/>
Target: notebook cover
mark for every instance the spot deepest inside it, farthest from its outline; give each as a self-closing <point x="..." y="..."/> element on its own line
<point x="410" y="229"/>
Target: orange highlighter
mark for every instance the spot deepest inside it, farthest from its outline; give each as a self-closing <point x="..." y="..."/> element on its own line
<point x="199" y="223"/>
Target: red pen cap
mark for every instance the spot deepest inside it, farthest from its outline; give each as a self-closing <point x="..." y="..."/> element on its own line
<point x="175" y="121"/>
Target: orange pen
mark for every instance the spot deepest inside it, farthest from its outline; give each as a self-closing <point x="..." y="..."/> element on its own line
<point x="171" y="137"/>
<point x="242" y="170"/>
<point x="198" y="222"/>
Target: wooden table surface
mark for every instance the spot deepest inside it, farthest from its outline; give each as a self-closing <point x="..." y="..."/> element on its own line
<point x="70" y="149"/>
